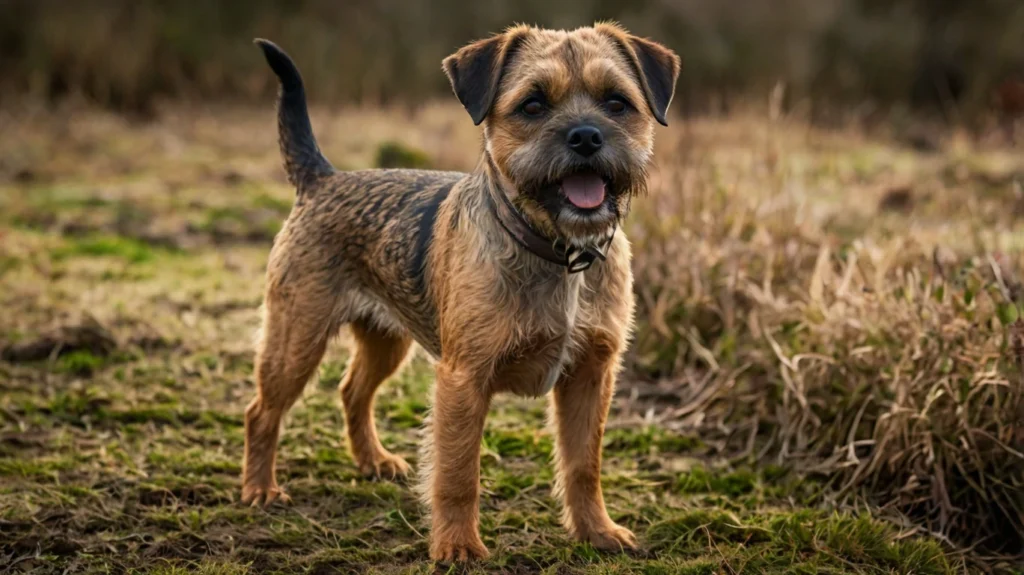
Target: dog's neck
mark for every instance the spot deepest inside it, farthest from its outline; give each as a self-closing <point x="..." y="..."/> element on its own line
<point x="573" y="256"/>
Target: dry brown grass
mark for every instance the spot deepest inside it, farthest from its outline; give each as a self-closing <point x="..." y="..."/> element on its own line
<point x="840" y="305"/>
<point x="827" y="308"/>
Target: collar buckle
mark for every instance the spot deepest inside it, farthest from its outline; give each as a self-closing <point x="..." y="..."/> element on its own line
<point x="578" y="259"/>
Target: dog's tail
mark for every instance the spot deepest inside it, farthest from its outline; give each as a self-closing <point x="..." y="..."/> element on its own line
<point x="302" y="158"/>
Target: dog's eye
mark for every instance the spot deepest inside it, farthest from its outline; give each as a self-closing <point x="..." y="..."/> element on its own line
<point x="533" y="107"/>
<point x="615" y="105"/>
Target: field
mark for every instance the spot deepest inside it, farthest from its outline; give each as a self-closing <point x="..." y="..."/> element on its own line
<point x="823" y="378"/>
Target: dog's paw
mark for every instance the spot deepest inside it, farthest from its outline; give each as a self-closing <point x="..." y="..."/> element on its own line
<point x="263" y="496"/>
<point x="458" y="550"/>
<point x="611" y="537"/>
<point x="385" y="465"/>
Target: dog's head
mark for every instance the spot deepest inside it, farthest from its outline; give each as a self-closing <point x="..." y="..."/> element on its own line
<point x="568" y="118"/>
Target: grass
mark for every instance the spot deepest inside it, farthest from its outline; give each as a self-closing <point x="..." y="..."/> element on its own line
<point x="396" y="155"/>
<point x="128" y="250"/>
<point x="822" y="380"/>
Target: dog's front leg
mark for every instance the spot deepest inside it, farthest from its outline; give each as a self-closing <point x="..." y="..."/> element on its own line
<point x="580" y="403"/>
<point x="461" y="400"/>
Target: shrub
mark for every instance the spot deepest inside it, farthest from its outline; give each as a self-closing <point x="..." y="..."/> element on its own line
<point x="884" y="361"/>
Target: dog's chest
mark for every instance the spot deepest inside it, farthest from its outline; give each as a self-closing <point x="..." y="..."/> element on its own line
<point x="542" y="352"/>
<point x="556" y="369"/>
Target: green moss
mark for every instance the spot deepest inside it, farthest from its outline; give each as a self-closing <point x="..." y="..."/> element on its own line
<point x="407" y="413"/>
<point x="700" y="480"/>
<point x="397" y="155"/>
<point x="519" y="443"/>
<point x="79" y="363"/>
<point x="219" y="215"/>
<point x="129" y="250"/>
<point x="695" y="527"/>
<point x="648" y="440"/>
<point x="269" y="228"/>
<point x="511" y="484"/>
<point x="70" y="406"/>
<point x="701" y="567"/>
<point x="159" y="414"/>
<point x="204" y="567"/>
<point x="331" y="373"/>
<point x="46" y="468"/>
<point x="8" y="264"/>
<point x="272" y="203"/>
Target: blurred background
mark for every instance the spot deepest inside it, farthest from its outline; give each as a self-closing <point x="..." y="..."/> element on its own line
<point x="945" y="57"/>
<point x="827" y="369"/>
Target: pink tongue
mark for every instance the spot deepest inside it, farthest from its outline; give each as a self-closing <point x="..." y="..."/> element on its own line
<point x="584" y="190"/>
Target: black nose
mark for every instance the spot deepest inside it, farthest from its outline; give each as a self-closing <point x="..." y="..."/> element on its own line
<point x="585" y="140"/>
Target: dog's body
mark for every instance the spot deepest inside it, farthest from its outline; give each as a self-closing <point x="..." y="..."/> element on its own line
<point x="407" y="255"/>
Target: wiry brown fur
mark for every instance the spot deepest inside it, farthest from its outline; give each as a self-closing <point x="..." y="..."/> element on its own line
<point x="405" y="256"/>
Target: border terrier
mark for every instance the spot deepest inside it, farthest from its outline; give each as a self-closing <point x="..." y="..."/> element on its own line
<point x="514" y="278"/>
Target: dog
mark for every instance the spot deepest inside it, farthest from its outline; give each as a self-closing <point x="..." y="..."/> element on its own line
<point x="514" y="278"/>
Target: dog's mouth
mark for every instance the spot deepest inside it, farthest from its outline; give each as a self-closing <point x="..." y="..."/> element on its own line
<point x="580" y="201"/>
<point x="584" y="190"/>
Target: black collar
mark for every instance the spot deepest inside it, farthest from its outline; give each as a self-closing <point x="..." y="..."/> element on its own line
<point x="557" y="251"/>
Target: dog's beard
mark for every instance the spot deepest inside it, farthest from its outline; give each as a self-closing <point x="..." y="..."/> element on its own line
<point x="541" y="179"/>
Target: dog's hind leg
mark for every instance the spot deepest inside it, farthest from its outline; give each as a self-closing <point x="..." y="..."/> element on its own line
<point x="296" y="328"/>
<point x="376" y="356"/>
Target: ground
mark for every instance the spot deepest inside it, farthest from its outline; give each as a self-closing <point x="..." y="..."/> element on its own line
<point x="131" y="269"/>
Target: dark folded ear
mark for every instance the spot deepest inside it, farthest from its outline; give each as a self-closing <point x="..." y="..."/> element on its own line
<point x="475" y="70"/>
<point x="656" y="66"/>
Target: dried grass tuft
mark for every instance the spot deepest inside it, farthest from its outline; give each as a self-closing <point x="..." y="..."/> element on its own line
<point x="882" y="354"/>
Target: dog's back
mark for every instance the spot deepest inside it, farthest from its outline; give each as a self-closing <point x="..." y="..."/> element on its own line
<point x="374" y="229"/>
